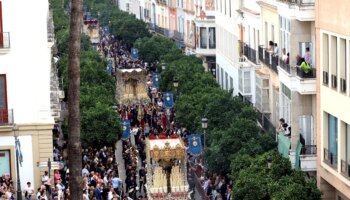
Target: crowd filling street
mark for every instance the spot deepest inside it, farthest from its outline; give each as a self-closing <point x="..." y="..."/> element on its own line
<point x="101" y="173"/>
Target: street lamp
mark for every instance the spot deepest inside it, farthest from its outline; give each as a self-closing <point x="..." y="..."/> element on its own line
<point x="19" y="190"/>
<point x="204" y="127"/>
<point x="213" y="70"/>
<point x="163" y="66"/>
<point x="176" y="83"/>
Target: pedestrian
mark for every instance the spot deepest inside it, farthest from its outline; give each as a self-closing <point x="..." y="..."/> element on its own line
<point x="28" y="191"/>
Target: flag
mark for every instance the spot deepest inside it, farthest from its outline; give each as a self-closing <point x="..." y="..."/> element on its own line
<point x="195" y="145"/>
<point x="19" y="152"/>
<point x="156" y="79"/>
<point x="125" y="124"/>
<point x="168" y="98"/>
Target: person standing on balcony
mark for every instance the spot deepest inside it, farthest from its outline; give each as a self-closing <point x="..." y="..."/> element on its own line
<point x="284" y="55"/>
<point x="307" y="56"/>
<point x="305" y="66"/>
<point x="275" y="50"/>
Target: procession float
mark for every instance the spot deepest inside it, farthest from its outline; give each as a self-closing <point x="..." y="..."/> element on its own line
<point x="131" y="85"/>
<point x="166" y="169"/>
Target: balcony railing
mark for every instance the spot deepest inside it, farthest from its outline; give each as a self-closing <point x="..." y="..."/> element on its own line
<point x="4" y="40"/>
<point x="309" y="150"/>
<point x="285" y="66"/>
<point x="299" y="2"/>
<point x="178" y="36"/>
<point x="261" y="53"/>
<point x="311" y="74"/>
<point x="250" y="53"/>
<point x="268" y="59"/>
<point x="6" y="117"/>
<point x="330" y="158"/>
<point x="345" y="168"/>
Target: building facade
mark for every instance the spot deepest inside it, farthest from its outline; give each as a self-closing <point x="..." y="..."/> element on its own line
<point x="25" y="93"/>
<point x="333" y="132"/>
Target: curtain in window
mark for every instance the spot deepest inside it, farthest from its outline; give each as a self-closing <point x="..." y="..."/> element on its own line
<point x="204" y="37"/>
<point x="212" y="44"/>
<point x="333" y="137"/>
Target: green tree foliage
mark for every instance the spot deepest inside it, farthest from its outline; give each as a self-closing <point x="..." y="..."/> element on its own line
<point x="151" y="49"/>
<point x="256" y="180"/>
<point x="99" y="122"/>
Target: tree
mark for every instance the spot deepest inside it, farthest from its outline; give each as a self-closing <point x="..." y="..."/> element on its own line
<point x="159" y="45"/>
<point x="256" y="180"/>
<point x="74" y="145"/>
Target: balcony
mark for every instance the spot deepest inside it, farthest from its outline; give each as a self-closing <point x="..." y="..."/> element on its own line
<point x="178" y="36"/>
<point x="345" y="169"/>
<point x="250" y="54"/>
<point x="268" y="59"/>
<point x="6" y="117"/>
<point x="4" y="42"/>
<point x="302" y="10"/>
<point x="299" y="2"/>
<point x="308" y="158"/>
<point x="295" y="79"/>
<point x="330" y="158"/>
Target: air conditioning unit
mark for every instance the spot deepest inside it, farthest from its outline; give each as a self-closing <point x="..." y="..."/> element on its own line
<point x="325" y="77"/>
<point x="342" y="85"/>
<point x="334" y="81"/>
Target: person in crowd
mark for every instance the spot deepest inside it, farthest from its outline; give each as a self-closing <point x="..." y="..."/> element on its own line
<point x="28" y="191"/>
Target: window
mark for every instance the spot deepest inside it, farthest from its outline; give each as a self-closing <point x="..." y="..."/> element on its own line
<point x="229" y="7"/>
<point x="231" y="82"/>
<point x="222" y="78"/>
<point x="273" y="33"/>
<point x="226" y="81"/>
<point x="212" y="38"/>
<point x="3" y="100"/>
<point x="225" y="7"/>
<point x="266" y="35"/>
<point x="5" y="164"/>
<point x="203" y="37"/>
<point x="221" y="6"/>
<point x="332" y="140"/>
<point x="247" y="88"/>
<point x="262" y="93"/>
<point x="347" y="150"/>
<point x="285" y="103"/>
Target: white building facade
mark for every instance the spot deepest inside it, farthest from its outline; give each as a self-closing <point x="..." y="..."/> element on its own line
<point x="25" y="66"/>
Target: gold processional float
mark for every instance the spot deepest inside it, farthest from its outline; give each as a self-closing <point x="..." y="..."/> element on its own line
<point x="131" y="85"/>
<point x="166" y="169"/>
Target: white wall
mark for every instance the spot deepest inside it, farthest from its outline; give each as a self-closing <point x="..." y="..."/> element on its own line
<point x="27" y="64"/>
<point x="26" y="171"/>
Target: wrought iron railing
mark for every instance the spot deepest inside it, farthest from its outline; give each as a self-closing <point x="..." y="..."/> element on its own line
<point x="309" y="150"/>
<point x="261" y="53"/>
<point x="345" y="168"/>
<point x="4" y="40"/>
<point x="285" y="66"/>
<point x="250" y="53"/>
<point x="274" y="63"/>
<point x="299" y="2"/>
<point x="178" y="36"/>
<point x="330" y="158"/>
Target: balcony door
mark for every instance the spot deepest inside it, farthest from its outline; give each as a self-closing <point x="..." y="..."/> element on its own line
<point x="3" y="100"/>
